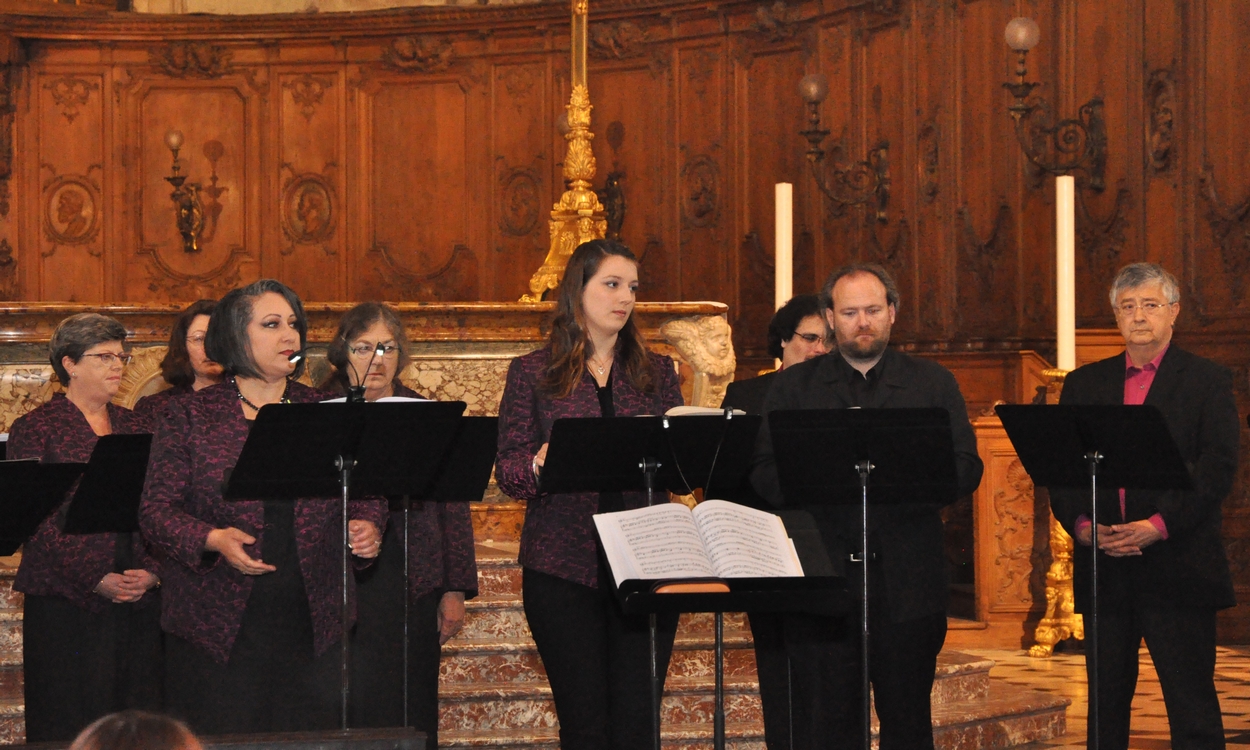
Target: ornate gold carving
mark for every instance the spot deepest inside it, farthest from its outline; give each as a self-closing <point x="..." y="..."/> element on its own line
<point x="71" y="211"/>
<point x="307" y="91"/>
<point x="70" y="94"/>
<point x="579" y="216"/>
<point x="418" y="54"/>
<point x="1060" y="620"/>
<point x="706" y="344"/>
<point x="142" y="377"/>
<point x="191" y="59"/>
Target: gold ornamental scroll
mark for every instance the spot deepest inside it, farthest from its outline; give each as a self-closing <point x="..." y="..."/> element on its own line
<point x="579" y="216"/>
<point x="1061" y="620"/>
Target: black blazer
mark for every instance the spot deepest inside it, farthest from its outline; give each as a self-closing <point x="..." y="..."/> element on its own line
<point x="748" y="395"/>
<point x="907" y="537"/>
<point x="1189" y="568"/>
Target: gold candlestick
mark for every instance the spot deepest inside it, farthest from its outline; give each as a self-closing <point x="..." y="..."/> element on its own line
<point x="579" y="216"/>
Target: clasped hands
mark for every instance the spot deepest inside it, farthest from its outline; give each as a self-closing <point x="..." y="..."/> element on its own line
<point x="363" y="537"/>
<point x="1121" y="539"/>
<point x="130" y="586"/>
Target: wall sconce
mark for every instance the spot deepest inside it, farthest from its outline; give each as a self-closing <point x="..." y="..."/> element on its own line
<point x="188" y="211"/>
<point x="858" y="184"/>
<point x="1078" y="144"/>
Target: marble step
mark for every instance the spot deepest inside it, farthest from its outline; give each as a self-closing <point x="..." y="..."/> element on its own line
<point x="687" y="737"/>
<point x="10" y="637"/>
<point x="519" y="705"/>
<point x="12" y="721"/>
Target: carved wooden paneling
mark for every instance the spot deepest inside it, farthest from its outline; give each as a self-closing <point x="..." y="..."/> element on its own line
<point x="705" y="171"/>
<point x="68" y="204"/>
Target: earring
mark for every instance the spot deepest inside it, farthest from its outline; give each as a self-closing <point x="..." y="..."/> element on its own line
<point x="73" y="374"/>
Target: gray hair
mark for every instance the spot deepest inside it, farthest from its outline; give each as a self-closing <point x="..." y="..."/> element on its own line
<point x="851" y="269"/>
<point x="78" y="333"/>
<point x="1137" y="274"/>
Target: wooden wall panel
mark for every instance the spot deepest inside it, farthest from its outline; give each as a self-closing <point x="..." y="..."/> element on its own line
<point x="633" y="136"/>
<point x="521" y="193"/>
<point x="68" y="208"/>
<point x="703" y="172"/>
<point x="306" y="222"/>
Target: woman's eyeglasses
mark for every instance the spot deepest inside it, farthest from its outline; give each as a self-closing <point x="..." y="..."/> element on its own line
<point x="364" y="350"/>
<point x="108" y="359"/>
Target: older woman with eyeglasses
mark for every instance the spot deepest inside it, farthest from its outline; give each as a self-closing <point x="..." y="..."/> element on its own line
<point x="370" y="349"/>
<point x="92" y="636"/>
<point x="186" y="367"/>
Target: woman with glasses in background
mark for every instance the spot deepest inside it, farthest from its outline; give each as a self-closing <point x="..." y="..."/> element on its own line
<point x="92" y="633"/>
<point x="371" y="350"/>
<point x="186" y="368"/>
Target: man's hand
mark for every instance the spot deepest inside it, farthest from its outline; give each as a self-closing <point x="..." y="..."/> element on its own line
<point x="1128" y="539"/>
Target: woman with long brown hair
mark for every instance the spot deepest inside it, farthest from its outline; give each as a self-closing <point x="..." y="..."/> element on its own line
<point x="595" y="364"/>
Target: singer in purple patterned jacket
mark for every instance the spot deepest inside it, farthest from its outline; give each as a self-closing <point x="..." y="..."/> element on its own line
<point x="251" y="593"/>
<point x="595" y="364"/>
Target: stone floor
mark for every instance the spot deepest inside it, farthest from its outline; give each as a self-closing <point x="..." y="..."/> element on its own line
<point x="1064" y="674"/>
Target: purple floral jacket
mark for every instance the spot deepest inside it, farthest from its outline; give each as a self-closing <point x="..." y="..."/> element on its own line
<point x="558" y="537"/>
<point x="204" y="598"/>
<point x="153" y="406"/>
<point x="440" y="542"/>
<point x="55" y="563"/>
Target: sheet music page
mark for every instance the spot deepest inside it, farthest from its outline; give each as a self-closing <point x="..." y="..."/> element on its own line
<point x="653" y="543"/>
<point x="745" y="543"/>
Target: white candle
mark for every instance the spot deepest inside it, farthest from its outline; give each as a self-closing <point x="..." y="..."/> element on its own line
<point x="783" y="288"/>
<point x="1065" y="271"/>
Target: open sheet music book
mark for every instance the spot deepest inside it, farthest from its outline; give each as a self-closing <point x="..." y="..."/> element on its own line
<point x="718" y="539"/>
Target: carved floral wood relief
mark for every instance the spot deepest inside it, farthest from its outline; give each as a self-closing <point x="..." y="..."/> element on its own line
<point x="1230" y="230"/>
<point x="71" y="211"/>
<point x="419" y="54"/>
<point x="70" y="94"/>
<point x="307" y="91"/>
<point x="191" y="59"/>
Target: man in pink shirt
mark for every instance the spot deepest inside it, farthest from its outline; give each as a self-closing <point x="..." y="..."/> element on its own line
<point x="1162" y="571"/>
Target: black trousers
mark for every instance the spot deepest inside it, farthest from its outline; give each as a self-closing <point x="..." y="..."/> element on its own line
<point x="81" y="665"/>
<point x="597" y="661"/>
<point x="378" y="645"/>
<point x="826" y="670"/>
<point x="1182" y="645"/>
<point x="772" y="665"/>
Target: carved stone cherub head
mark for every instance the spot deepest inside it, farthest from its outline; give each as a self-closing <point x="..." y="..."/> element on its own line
<point x="703" y="342"/>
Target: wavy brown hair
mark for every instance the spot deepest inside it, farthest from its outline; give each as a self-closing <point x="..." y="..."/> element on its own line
<point x="568" y="337"/>
<point x="176" y="366"/>
<point x="352" y="325"/>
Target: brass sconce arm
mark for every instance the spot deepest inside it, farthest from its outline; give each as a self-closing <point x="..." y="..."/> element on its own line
<point x="1070" y="145"/>
<point x="188" y="210"/>
<point x="861" y="183"/>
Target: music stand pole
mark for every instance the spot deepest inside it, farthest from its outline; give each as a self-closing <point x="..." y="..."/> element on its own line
<point x="344" y="463"/>
<point x="407" y="615"/>
<point x="864" y="468"/>
<point x="1091" y="627"/>
<point x="650" y="467"/>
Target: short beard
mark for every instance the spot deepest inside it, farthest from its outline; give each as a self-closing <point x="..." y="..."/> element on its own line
<point x="854" y="353"/>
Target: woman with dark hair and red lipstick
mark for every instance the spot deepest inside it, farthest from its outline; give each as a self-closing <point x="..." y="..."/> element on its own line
<point x="92" y="638"/>
<point x="595" y="364"/>
<point x="251" y="588"/>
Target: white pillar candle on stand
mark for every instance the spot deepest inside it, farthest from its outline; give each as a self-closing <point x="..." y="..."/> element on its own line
<point x="1065" y="271"/>
<point x="783" y="288"/>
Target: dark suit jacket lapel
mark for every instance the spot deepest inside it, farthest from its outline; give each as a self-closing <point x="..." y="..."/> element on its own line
<point x="841" y="390"/>
<point x="1167" y="379"/>
<point x="896" y="379"/>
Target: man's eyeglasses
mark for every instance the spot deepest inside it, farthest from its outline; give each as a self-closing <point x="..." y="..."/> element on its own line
<point x="108" y="359"/>
<point x="811" y="338"/>
<point x="364" y="350"/>
<point x="1128" y="309"/>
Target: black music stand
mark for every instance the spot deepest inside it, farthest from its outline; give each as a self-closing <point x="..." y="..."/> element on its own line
<point x="826" y="456"/>
<point x="677" y="454"/>
<point x="345" y="449"/>
<point x="462" y="476"/>
<point x="1072" y="447"/>
<point x="107" y="499"/>
<point x="29" y="493"/>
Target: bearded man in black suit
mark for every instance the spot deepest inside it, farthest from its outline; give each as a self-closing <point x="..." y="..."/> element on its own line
<point x="906" y="568"/>
<point x="1162" y="571"/>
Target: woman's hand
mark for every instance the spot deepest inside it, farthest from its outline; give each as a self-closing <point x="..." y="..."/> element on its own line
<point x="364" y="539"/>
<point x="122" y="588"/>
<point x="229" y="544"/>
<point x="450" y="614"/>
<point x="539" y="460"/>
